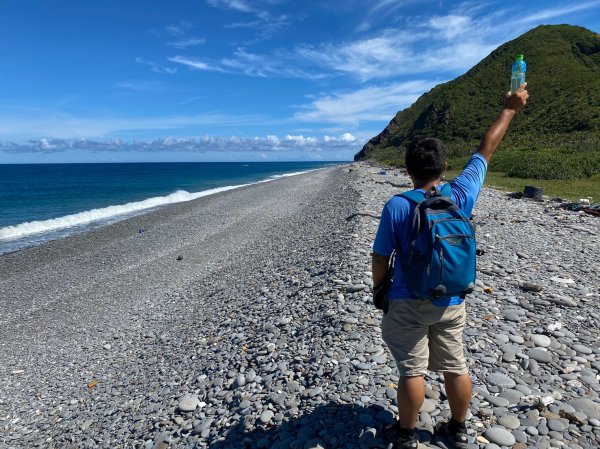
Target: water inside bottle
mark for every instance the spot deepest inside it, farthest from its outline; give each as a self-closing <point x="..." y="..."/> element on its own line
<point x="516" y="81"/>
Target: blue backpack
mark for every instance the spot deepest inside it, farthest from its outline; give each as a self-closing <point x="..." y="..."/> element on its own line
<point x="441" y="254"/>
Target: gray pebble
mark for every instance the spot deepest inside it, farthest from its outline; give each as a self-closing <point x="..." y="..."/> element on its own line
<point x="500" y="436"/>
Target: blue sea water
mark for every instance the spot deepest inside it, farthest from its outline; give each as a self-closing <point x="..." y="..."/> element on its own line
<point x="48" y="201"/>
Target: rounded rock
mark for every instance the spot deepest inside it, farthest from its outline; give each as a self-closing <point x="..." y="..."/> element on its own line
<point x="428" y="406"/>
<point x="539" y="355"/>
<point x="266" y="416"/>
<point x="556" y="425"/>
<point x="509" y="421"/>
<point x="542" y="341"/>
<point x="500" y="380"/>
<point x="500" y="436"/>
<point x="188" y="403"/>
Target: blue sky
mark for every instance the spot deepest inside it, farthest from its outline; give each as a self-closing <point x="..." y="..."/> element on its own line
<point x="206" y="80"/>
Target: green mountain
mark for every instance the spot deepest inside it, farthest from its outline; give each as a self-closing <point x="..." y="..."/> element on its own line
<point x="562" y="114"/>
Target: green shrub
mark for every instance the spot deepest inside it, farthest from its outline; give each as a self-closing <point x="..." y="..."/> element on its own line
<point x="546" y="163"/>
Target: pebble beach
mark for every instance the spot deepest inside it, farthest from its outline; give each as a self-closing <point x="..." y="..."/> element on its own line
<point x="244" y="320"/>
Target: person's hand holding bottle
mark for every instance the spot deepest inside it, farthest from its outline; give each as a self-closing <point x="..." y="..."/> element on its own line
<point x="517" y="100"/>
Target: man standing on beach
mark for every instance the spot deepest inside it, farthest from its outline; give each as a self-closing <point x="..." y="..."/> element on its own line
<point x="427" y="333"/>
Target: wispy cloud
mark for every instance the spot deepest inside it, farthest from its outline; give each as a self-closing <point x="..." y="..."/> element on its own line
<point x="451" y="26"/>
<point x="236" y="5"/>
<point x="193" y="63"/>
<point x="394" y="52"/>
<point x="264" y="22"/>
<point x="182" y="35"/>
<point x="157" y="68"/>
<point x="187" y="42"/>
<point x="251" y="64"/>
<point x="551" y="13"/>
<point x="267" y="25"/>
<point x="51" y="124"/>
<point x="140" y="86"/>
<point x="431" y="45"/>
<point x="181" y="29"/>
<point x="269" y="143"/>
<point x="436" y="45"/>
<point x="380" y="11"/>
<point x="374" y="103"/>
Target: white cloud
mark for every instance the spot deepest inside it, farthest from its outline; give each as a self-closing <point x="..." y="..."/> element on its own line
<point x="251" y="64"/>
<point x="273" y="139"/>
<point x="436" y="45"/>
<point x="140" y="86"/>
<point x="448" y="44"/>
<point x="396" y="52"/>
<point x="44" y="144"/>
<point x="193" y="63"/>
<point x="236" y="5"/>
<point x="551" y="13"/>
<point x="266" y="24"/>
<point x="186" y="42"/>
<point x="182" y="29"/>
<point x="301" y="140"/>
<point x="270" y="143"/>
<point x="373" y="103"/>
<point x="18" y="124"/>
<point x="157" y="68"/>
<point x="451" y="26"/>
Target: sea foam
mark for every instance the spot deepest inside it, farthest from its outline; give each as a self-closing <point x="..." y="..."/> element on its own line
<point x="89" y="216"/>
<point x="106" y="213"/>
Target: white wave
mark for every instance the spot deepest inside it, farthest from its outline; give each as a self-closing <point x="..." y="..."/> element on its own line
<point x="89" y="216"/>
<point x="94" y="215"/>
<point x="285" y="175"/>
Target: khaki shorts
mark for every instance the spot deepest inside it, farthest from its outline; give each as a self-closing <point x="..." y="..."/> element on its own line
<point x="423" y="336"/>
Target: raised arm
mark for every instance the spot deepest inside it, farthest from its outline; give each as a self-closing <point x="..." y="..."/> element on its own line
<point x="492" y="138"/>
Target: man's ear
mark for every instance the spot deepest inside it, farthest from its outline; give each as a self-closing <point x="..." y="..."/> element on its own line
<point x="445" y="165"/>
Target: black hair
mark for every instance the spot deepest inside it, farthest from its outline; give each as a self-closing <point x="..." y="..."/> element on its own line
<point x="426" y="159"/>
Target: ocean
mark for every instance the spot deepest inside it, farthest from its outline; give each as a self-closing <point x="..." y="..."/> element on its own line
<point x="41" y="202"/>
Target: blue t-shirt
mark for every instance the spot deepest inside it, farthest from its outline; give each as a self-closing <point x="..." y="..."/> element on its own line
<point x="396" y="223"/>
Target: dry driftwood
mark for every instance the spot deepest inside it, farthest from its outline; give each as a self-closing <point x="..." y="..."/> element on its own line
<point x="393" y="184"/>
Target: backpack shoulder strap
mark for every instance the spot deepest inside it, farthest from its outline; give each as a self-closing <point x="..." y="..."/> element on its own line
<point x="413" y="195"/>
<point x="417" y="196"/>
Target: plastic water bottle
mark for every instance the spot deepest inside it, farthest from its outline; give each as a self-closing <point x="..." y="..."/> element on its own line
<point x="518" y="74"/>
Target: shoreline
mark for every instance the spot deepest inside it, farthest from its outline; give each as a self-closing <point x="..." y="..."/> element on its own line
<point x="33" y="233"/>
<point x="264" y="333"/>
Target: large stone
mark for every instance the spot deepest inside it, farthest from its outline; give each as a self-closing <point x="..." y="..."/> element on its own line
<point x="542" y="341"/>
<point x="509" y="421"/>
<point x="581" y="349"/>
<point x="497" y="401"/>
<point x="500" y="436"/>
<point x="266" y="416"/>
<point x="428" y="406"/>
<point x="557" y="425"/>
<point x="587" y="406"/>
<point x="188" y="403"/>
<point x="539" y="355"/>
<point x="500" y="380"/>
<point x="512" y="396"/>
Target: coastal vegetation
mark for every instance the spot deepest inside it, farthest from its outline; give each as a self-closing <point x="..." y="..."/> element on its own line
<point x="555" y="138"/>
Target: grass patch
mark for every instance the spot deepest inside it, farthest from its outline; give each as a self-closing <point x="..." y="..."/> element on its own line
<point x="572" y="189"/>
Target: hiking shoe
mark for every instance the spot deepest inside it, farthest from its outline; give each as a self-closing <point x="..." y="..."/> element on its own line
<point x="402" y="438"/>
<point x="453" y="434"/>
